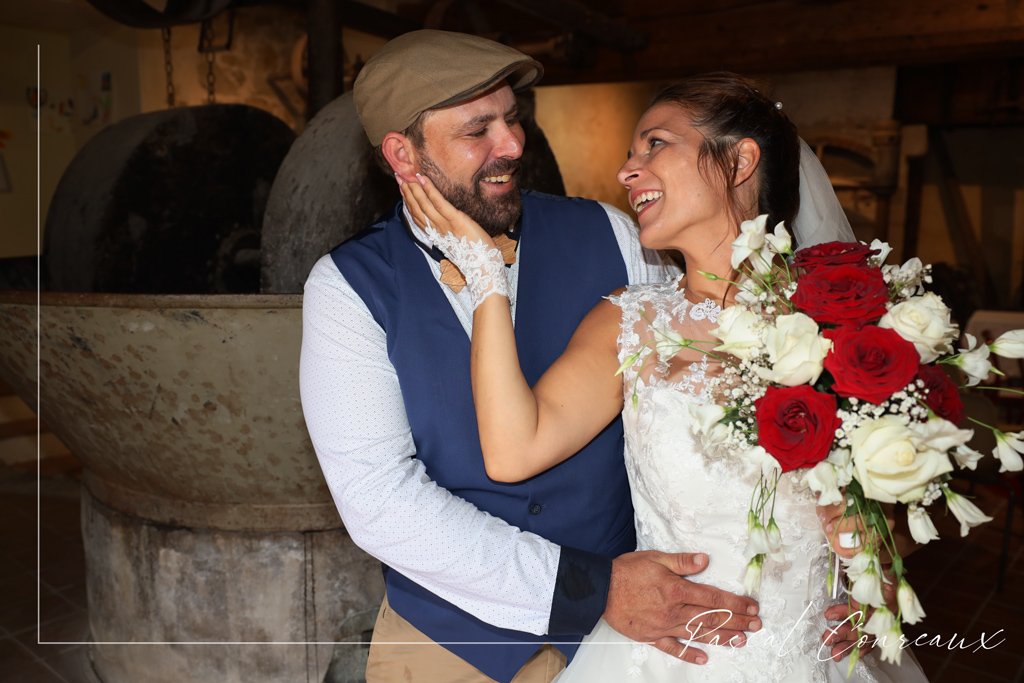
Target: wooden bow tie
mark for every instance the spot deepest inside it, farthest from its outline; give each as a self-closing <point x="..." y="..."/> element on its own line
<point x="452" y="276"/>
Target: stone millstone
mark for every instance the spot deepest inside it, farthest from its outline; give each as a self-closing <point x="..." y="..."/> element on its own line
<point x="166" y="202"/>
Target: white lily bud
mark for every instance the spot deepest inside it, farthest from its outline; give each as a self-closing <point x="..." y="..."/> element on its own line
<point x="973" y="361"/>
<point x="867" y="588"/>
<point x="822" y="480"/>
<point x="750" y="241"/>
<point x="1008" y="450"/>
<point x="967" y="457"/>
<point x="1009" y="344"/>
<point x="881" y="622"/>
<point x="780" y="242"/>
<point x="858" y="564"/>
<point x="757" y="542"/>
<point x="921" y="526"/>
<point x="752" y="578"/>
<point x="964" y="510"/>
<point x="910" y="607"/>
<point x="776" y="551"/>
<point x="883" y="249"/>
<point x="891" y="644"/>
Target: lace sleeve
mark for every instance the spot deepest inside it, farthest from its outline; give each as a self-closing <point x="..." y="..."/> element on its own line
<point x="631" y="346"/>
<point x="481" y="265"/>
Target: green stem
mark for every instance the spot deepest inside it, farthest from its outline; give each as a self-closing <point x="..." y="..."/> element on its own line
<point x="1006" y="389"/>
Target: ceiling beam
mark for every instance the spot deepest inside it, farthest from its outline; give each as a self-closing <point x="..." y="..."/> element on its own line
<point x="788" y="35"/>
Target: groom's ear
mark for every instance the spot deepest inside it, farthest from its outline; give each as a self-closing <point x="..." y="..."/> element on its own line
<point x="748" y="155"/>
<point x="400" y="154"/>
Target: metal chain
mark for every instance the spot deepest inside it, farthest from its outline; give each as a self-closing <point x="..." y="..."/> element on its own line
<point x="206" y="47"/>
<point x="168" y="65"/>
<point x="210" y="78"/>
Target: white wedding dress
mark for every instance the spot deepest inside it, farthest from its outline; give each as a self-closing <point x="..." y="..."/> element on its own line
<point x="686" y="501"/>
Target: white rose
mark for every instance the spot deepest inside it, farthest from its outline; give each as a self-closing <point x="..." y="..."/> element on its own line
<point x="1009" y="344"/>
<point x="796" y="350"/>
<point x="750" y="241"/>
<point x="888" y="464"/>
<point x="739" y="330"/>
<point x="924" y="322"/>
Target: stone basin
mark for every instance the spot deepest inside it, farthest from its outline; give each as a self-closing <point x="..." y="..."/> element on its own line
<point x="205" y="516"/>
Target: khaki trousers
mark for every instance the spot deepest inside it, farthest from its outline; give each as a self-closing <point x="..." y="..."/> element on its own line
<point x="400" y="653"/>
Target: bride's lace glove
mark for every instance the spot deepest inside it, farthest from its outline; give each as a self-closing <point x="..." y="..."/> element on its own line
<point x="460" y="239"/>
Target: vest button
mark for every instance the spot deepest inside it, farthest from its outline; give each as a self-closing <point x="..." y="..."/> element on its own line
<point x="535" y="509"/>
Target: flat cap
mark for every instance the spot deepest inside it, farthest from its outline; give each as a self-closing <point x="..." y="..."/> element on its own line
<point x="431" y="69"/>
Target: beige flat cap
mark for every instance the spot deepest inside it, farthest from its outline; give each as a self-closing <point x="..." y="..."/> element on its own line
<point x="431" y="69"/>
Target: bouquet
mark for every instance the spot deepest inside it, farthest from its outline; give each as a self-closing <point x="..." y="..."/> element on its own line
<point x="835" y="368"/>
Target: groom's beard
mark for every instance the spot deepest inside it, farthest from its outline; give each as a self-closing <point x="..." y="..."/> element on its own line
<point x="495" y="215"/>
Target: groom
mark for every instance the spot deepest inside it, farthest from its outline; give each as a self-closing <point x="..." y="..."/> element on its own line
<point x="484" y="581"/>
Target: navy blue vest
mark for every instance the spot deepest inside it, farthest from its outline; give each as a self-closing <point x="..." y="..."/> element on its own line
<point x="569" y="259"/>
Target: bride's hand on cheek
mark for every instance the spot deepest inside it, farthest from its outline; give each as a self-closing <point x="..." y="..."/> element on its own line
<point x="428" y="207"/>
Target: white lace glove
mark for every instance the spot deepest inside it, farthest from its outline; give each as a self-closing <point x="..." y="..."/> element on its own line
<point x="481" y="265"/>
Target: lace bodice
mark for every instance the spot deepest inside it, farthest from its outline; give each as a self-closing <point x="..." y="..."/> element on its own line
<point x="686" y="502"/>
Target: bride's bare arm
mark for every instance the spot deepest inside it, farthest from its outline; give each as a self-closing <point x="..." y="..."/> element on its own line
<point x="525" y="430"/>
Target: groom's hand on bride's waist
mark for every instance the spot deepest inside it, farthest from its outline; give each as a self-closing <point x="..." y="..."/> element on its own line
<point x="650" y="599"/>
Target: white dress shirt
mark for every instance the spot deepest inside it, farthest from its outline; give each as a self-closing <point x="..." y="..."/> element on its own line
<point x="357" y="421"/>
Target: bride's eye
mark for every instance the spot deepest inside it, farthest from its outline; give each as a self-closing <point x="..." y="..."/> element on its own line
<point x="655" y="142"/>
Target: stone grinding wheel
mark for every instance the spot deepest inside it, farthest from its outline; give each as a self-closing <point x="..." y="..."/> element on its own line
<point x="166" y="202"/>
<point x="329" y="188"/>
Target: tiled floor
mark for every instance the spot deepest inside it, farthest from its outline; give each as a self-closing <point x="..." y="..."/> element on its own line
<point x="955" y="579"/>
<point x="58" y="615"/>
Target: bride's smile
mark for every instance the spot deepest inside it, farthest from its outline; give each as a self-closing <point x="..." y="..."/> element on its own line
<point x="671" y="188"/>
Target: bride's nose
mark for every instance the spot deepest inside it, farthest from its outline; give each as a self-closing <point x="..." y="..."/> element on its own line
<point x="628" y="172"/>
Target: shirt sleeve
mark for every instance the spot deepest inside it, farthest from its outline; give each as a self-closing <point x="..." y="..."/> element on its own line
<point x="642" y="265"/>
<point x="356" y="418"/>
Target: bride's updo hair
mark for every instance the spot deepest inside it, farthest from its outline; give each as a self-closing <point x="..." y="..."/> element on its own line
<point x="726" y="108"/>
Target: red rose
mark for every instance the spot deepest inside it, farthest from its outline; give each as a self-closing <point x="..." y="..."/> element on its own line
<point x="842" y="295"/>
<point x="796" y="425"/>
<point x="833" y="254"/>
<point x="870" y="363"/>
<point x="943" y="394"/>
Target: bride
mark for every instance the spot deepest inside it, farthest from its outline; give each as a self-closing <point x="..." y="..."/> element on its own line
<point x="708" y="154"/>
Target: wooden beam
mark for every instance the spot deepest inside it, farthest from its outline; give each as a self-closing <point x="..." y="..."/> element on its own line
<point x="785" y="35"/>
<point x="912" y="218"/>
<point x="961" y="230"/>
